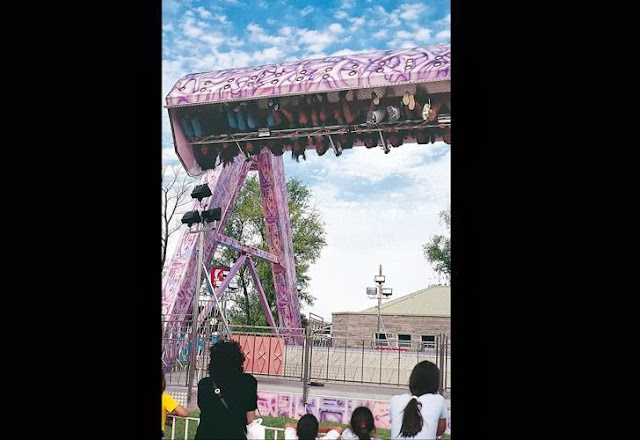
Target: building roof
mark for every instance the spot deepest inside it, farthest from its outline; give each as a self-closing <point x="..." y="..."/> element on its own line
<point x="431" y="301"/>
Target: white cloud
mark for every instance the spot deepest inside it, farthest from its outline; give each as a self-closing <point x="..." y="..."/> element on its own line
<point x="423" y="35"/>
<point x="202" y="12"/>
<point x="443" y="36"/>
<point x="306" y="11"/>
<point x="192" y="27"/>
<point x="379" y="15"/>
<point x="346" y="4"/>
<point x="410" y="11"/>
<point x="317" y="41"/>
<point x="356" y="23"/>
<point x="222" y="19"/>
<point x="269" y="55"/>
<point x="336" y="28"/>
<point x="257" y="34"/>
<point x="382" y="33"/>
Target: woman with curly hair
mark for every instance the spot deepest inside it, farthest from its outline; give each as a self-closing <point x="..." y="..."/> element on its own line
<point x="237" y="388"/>
<point x="421" y="413"/>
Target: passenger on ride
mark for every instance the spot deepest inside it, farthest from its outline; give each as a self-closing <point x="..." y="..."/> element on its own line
<point x="375" y="112"/>
<point x="191" y="127"/>
<point x="446" y="135"/>
<point x="320" y="143"/>
<point x="345" y="141"/>
<point x="228" y="153"/>
<point x="422" y="136"/>
<point x="206" y="156"/>
<point x="344" y="113"/>
<point x="297" y="150"/>
<point x="280" y="116"/>
<point x="370" y="140"/>
<point x="439" y="106"/>
<point x="396" y="139"/>
<point x="242" y="117"/>
<point x="252" y="148"/>
<point x="412" y="106"/>
<point x="276" y="147"/>
<point x="320" y="105"/>
<point x="307" y="114"/>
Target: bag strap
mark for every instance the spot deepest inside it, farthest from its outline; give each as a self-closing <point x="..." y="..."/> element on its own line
<point x="218" y="392"/>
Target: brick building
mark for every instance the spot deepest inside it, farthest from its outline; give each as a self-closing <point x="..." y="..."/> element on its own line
<point x="412" y="321"/>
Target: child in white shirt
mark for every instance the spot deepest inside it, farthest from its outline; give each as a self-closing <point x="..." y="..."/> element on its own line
<point x="308" y="428"/>
<point x="361" y="426"/>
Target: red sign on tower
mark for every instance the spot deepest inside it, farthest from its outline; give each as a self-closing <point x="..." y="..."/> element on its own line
<point x="218" y="274"/>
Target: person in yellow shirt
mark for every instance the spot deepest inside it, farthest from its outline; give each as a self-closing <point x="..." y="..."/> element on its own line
<point x="170" y="405"/>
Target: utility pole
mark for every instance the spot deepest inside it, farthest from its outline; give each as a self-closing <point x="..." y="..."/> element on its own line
<point x="377" y="293"/>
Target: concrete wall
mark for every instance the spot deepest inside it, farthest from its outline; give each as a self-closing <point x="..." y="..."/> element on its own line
<point x="354" y="326"/>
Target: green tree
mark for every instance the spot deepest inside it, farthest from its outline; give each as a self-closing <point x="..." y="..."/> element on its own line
<point x="247" y="225"/>
<point x="438" y="250"/>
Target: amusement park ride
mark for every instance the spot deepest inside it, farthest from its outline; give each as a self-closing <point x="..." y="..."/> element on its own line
<point x="226" y="123"/>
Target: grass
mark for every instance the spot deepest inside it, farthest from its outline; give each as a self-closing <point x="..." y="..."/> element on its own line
<point x="273" y="422"/>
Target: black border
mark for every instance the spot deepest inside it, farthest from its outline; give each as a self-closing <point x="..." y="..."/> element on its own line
<point x="144" y="84"/>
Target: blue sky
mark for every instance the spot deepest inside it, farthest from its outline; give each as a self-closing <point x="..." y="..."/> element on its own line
<point x="378" y="208"/>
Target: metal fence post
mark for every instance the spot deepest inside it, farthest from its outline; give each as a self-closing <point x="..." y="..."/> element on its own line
<point x="305" y="368"/>
<point x="362" y="364"/>
<point x="440" y="360"/>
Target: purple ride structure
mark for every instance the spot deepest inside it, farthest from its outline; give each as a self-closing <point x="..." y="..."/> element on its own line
<point x="420" y="71"/>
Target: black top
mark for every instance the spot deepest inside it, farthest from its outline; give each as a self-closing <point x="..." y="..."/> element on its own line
<point x="216" y="422"/>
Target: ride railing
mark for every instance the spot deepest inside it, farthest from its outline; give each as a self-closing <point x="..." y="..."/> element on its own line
<point x="329" y="358"/>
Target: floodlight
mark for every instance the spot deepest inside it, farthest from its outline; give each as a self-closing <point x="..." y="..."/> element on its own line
<point x="191" y="217"/>
<point x="387" y="291"/>
<point x="372" y="291"/>
<point x="212" y="214"/>
<point x="379" y="278"/>
<point x="201" y="191"/>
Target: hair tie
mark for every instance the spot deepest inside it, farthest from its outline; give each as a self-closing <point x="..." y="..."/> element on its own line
<point x="415" y="397"/>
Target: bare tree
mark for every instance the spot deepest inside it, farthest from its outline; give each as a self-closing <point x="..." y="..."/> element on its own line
<point x="176" y="193"/>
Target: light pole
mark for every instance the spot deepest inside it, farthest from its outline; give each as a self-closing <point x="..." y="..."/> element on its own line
<point x="377" y="293"/>
<point x="199" y="218"/>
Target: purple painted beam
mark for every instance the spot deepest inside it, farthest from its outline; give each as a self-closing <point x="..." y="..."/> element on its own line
<point x="179" y="282"/>
<point x="331" y="73"/>
<point x="235" y="244"/>
<point x="276" y="215"/>
<point x="263" y="298"/>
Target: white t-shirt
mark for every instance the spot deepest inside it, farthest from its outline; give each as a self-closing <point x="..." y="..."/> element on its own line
<point x="291" y="434"/>
<point x="348" y="434"/>
<point x="434" y="408"/>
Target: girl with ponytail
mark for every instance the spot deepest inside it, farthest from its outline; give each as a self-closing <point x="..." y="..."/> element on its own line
<point x="421" y="413"/>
